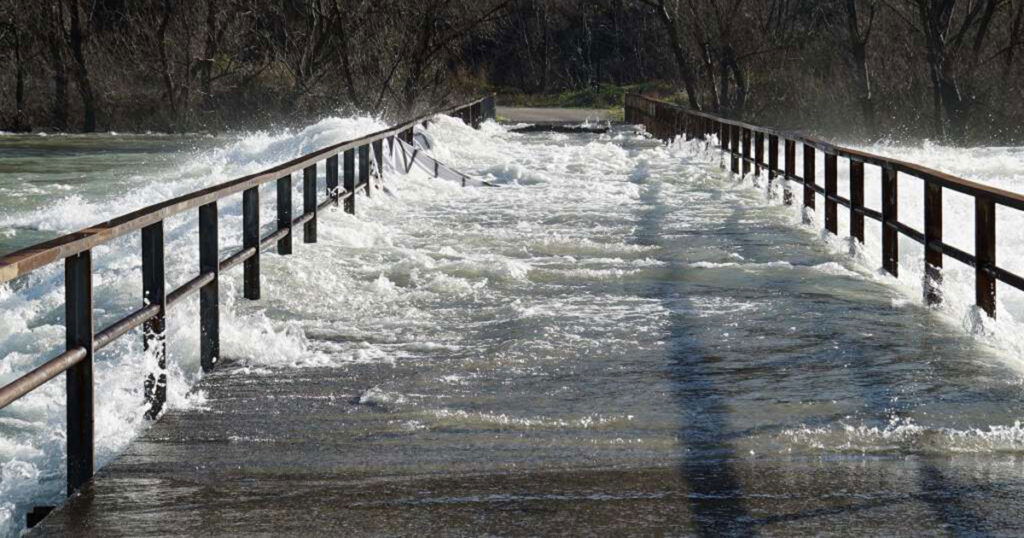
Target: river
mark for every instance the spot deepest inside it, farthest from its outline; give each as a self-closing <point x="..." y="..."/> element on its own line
<point x="615" y="303"/>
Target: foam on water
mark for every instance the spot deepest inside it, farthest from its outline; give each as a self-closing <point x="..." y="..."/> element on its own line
<point x="541" y="286"/>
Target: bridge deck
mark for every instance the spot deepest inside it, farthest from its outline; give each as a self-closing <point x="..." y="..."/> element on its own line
<point x="735" y="377"/>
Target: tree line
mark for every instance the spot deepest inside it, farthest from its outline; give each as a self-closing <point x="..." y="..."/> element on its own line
<point x="944" y="69"/>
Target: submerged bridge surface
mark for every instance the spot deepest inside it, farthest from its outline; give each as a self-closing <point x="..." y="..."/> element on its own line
<point x="737" y="376"/>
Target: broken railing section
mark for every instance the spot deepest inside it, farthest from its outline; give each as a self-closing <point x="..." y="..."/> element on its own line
<point x="349" y="167"/>
<point x="667" y="121"/>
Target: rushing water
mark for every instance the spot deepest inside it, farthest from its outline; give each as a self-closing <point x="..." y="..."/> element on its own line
<point x="615" y="302"/>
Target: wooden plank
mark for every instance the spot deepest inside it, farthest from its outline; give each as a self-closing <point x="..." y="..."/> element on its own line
<point x="284" y="214"/>
<point x="309" y="204"/>
<point x="349" y="178"/>
<point x="787" y="195"/>
<point x="831" y="190"/>
<point x="810" y="171"/>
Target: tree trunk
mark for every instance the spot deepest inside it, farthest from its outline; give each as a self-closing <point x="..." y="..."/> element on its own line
<point x="682" y="59"/>
<point x="165" y="64"/>
<point x="209" y="52"/>
<point x="861" y="75"/>
<point x="76" y="42"/>
<point x="59" y="106"/>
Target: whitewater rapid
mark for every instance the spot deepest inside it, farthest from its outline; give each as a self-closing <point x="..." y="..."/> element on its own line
<point x="550" y="319"/>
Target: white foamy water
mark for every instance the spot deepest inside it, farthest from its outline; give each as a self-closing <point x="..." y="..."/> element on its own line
<point x="614" y="302"/>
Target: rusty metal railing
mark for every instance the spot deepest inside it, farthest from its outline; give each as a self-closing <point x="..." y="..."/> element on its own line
<point x="745" y="145"/>
<point x="82" y="341"/>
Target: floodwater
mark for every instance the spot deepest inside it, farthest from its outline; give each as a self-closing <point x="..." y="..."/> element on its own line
<point x="615" y="304"/>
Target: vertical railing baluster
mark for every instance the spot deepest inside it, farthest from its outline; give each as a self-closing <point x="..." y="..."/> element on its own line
<point x="284" y="214"/>
<point x="746" y="151"/>
<point x="154" y="293"/>
<point x="79" y="381"/>
<point x="831" y="191"/>
<point x="734" y="135"/>
<point x="378" y="158"/>
<point x="723" y="142"/>
<point x="787" y="192"/>
<point x="985" y="254"/>
<point x="332" y="178"/>
<point x="209" y="295"/>
<point x="810" y="173"/>
<point x="773" y="160"/>
<point x="890" y="215"/>
<point x="309" y="203"/>
<point x="349" y="177"/>
<point x="758" y="153"/>
<point x="932" y="234"/>
<point x="251" y="239"/>
<point x="364" y="168"/>
<point x="857" y="200"/>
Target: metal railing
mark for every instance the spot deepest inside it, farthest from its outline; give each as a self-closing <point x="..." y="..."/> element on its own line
<point x="745" y="144"/>
<point x="82" y="342"/>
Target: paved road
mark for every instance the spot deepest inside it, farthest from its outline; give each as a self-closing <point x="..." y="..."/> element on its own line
<point x="552" y="115"/>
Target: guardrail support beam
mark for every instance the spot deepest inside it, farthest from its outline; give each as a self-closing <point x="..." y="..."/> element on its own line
<point x="758" y="152"/>
<point x="985" y="253"/>
<point x="831" y="191"/>
<point x="890" y="215"/>
<point x="932" y="234"/>
<point x="209" y="295"/>
<point x="810" y="171"/>
<point x="349" y="177"/>
<point x="787" y="194"/>
<point x="364" y="168"/>
<point x="773" y="160"/>
<point x="284" y="214"/>
<point x="251" y="239"/>
<point x="154" y="292"/>
<point x="332" y="179"/>
<point x="309" y="203"/>
<point x="79" y="388"/>
<point x="857" y="200"/>
<point x="746" y="151"/>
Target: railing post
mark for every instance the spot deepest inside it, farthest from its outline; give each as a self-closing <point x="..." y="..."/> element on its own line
<point x="810" y="171"/>
<point x="251" y="239"/>
<point x="79" y="387"/>
<point x="475" y="113"/>
<point x="332" y="178"/>
<point x="378" y="158"/>
<point x="857" y="200"/>
<point x="787" y="192"/>
<point x="985" y="254"/>
<point x="209" y="295"/>
<point x="758" y="152"/>
<point x="723" y="142"/>
<point x="284" y="213"/>
<point x="364" y="168"/>
<point x="746" y="151"/>
<point x="773" y="160"/>
<point x="309" y="203"/>
<point x="890" y="215"/>
<point x="349" y="177"/>
<point x="734" y="135"/>
<point x="932" y="234"/>
<point x="154" y="293"/>
<point x="831" y="191"/>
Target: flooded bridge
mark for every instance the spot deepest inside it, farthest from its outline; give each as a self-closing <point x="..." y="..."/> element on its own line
<point x="623" y="337"/>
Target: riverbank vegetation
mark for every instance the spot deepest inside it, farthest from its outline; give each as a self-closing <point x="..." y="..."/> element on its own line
<point x="951" y="70"/>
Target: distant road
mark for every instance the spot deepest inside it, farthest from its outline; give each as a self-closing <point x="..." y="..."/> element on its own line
<point x="552" y="115"/>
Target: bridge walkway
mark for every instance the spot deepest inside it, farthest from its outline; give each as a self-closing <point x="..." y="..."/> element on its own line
<point x="661" y="352"/>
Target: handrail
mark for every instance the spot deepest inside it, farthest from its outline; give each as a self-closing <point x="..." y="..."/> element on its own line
<point x="21" y="262"/>
<point x="75" y="250"/>
<point x="745" y="143"/>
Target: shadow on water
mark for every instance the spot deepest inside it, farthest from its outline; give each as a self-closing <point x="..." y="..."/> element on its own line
<point x="715" y="493"/>
<point x="717" y="501"/>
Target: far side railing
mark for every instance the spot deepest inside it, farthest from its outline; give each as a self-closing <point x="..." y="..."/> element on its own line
<point x="746" y="145"/>
<point x="349" y="167"/>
